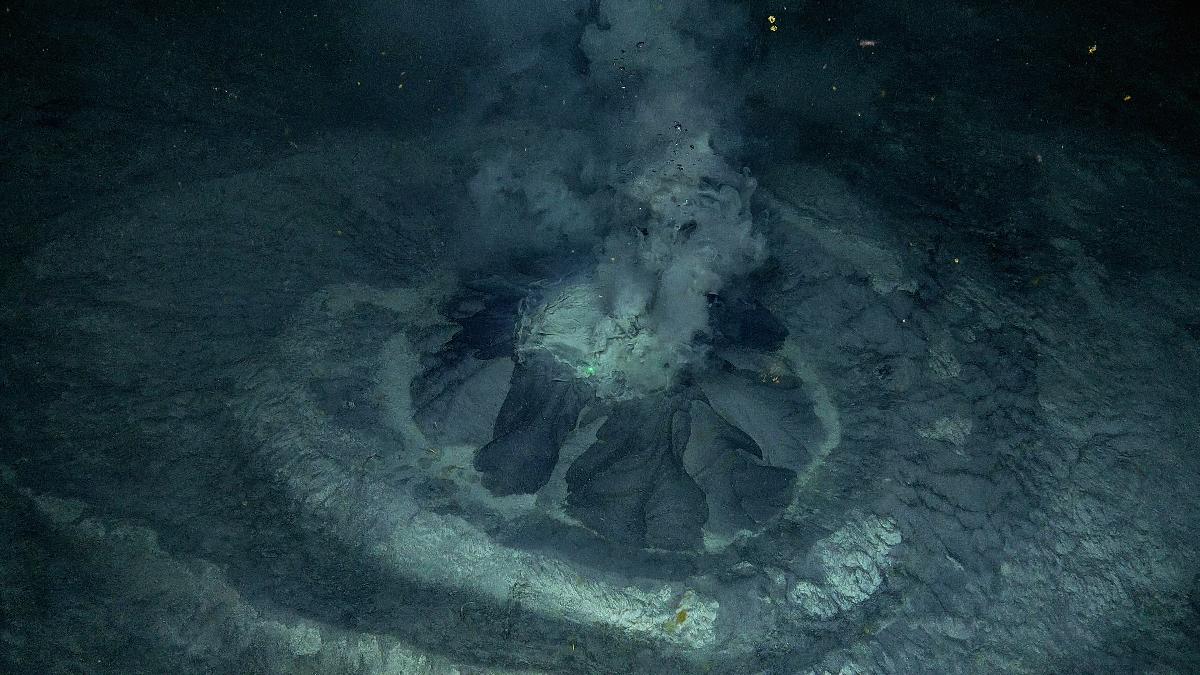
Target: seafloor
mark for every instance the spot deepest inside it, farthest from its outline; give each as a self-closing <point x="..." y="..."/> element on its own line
<point x="257" y="414"/>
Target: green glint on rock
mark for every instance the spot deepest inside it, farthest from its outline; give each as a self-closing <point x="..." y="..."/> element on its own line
<point x="589" y="371"/>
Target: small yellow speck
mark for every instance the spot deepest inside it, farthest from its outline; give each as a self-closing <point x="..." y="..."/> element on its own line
<point x="1092" y="49"/>
<point x="400" y="86"/>
<point x="956" y="261"/>
<point x="1127" y="98"/>
<point x="774" y="28"/>
<point x="771" y="19"/>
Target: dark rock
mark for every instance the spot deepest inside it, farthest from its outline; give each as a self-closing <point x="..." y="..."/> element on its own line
<point x="746" y="323"/>
<point x="631" y="486"/>
<point x="778" y="416"/>
<point x="538" y="413"/>
<point x="741" y="491"/>
<point x="460" y="401"/>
